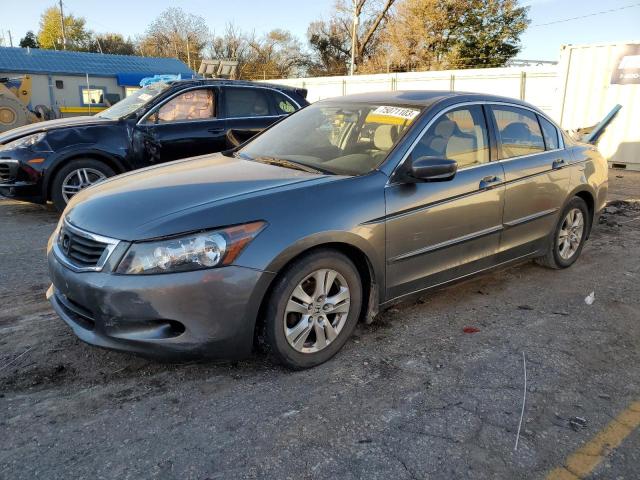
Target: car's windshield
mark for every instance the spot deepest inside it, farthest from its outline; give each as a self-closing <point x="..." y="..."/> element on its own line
<point x="346" y="139"/>
<point x="133" y="102"/>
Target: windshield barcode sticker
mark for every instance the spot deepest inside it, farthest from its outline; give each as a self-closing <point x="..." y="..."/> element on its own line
<point x="400" y="112"/>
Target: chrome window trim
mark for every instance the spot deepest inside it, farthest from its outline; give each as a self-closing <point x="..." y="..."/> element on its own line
<point x="471" y="103"/>
<point x="263" y="88"/>
<point x="535" y="112"/>
<point x="257" y="116"/>
<point x="200" y="87"/>
<point x="111" y="244"/>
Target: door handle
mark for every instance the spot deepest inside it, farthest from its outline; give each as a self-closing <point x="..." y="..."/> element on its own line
<point x="216" y="130"/>
<point x="489" y="181"/>
<point x="558" y="163"/>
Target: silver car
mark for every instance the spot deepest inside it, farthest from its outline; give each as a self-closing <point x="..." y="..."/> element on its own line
<point x="319" y="222"/>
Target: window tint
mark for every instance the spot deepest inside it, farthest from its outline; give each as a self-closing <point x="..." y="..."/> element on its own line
<point x="459" y="135"/>
<point x="550" y="133"/>
<point x="284" y="106"/>
<point x="519" y="131"/>
<point x="246" y="102"/>
<point x="190" y="105"/>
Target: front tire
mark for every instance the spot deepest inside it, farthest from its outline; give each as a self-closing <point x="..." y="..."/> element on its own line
<point x="569" y="236"/>
<point x="313" y="309"/>
<point x="76" y="176"/>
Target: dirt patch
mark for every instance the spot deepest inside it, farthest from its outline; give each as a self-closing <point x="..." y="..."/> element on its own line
<point x="410" y="396"/>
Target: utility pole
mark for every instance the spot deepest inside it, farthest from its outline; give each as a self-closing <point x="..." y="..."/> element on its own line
<point x="188" y="51"/>
<point x="10" y="39"/>
<point x="354" y="31"/>
<point x="64" y="33"/>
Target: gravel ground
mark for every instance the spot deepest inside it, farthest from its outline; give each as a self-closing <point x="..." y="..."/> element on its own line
<point x="411" y="396"/>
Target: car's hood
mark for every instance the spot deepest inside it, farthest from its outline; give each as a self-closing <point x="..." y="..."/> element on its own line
<point x="16" y="133"/>
<point x="131" y="206"/>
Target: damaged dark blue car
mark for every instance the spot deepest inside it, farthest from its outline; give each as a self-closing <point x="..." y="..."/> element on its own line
<point x="53" y="160"/>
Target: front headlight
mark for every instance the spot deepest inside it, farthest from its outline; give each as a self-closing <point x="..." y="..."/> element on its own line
<point x="27" y="141"/>
<point x="189" y="252"/>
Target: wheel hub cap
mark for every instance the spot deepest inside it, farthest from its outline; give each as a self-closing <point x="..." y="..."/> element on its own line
<point x="570" y="234"/>
<point x="317" y="311"/>
<point x="79" y="180"/>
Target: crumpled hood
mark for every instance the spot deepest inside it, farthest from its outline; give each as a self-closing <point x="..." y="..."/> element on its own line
<point x="19" y="132"/>
<point x="131" y="206"/>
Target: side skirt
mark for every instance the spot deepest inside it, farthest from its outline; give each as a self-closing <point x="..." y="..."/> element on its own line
<point x="500" y="264"/>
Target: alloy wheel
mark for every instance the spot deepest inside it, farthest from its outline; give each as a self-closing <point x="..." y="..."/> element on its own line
<point x="317" y="311"/>
<point x="80" y="179"/>
<point x="570" y="234"/>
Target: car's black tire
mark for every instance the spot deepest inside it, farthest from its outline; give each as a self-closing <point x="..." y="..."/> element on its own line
<point x="277" y="318"/>
<point x="75" y="165"/>
<point x="554" y="258"/>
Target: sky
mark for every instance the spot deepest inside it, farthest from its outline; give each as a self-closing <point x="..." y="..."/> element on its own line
<point x="131" y="17"/>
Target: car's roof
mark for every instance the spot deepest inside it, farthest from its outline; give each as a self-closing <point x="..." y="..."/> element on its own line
<point x="420" y="98"/>
<point x="224" y="81"/>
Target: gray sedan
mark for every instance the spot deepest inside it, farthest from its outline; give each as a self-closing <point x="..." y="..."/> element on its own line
<point x="335" y="212"/>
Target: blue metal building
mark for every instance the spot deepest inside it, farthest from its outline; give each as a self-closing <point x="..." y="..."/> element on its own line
<point x="82" y="83"/>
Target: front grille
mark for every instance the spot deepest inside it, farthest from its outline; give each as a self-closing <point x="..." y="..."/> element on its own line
<point x="5" y="172"/>
<point x="80" y="250"/>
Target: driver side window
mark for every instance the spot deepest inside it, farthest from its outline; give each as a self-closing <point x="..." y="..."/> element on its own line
<point x="188" y="106"/>
<point x="459" y="135"/>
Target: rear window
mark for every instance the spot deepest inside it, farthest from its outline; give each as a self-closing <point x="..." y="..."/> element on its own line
<point x="519" y="131"/>
<point x="550" y="133"/>
<point x="247" y="102"/>
<point x="283" y="104"/>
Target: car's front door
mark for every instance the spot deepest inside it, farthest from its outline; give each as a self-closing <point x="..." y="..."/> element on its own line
<point x="438" y="231"/>
<point x="249" y="110"/>
<point x="537" y="182"/>
<point x="184" y="126"/>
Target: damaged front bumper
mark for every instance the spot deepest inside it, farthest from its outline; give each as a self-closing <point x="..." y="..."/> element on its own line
<point x="204" y="313"/>
<point x="19" y="181"/>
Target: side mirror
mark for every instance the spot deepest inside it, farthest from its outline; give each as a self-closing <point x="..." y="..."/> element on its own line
<point x="432" y="169"/>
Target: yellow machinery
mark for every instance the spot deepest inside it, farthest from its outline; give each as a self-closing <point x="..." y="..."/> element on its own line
<point x="15" y="96"/>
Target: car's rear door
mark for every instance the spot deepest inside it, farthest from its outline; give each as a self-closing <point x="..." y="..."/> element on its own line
<point x="185" y="125"/>
<point x="248" y="110"/>
<point x="537" y="180"/>
<point x="438" y="231"/>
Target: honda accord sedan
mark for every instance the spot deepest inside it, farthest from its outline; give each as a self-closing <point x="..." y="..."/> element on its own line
<point x="320" y="221"/>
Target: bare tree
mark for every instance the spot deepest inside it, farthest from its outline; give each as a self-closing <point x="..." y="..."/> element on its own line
<point x="374" y="16"/>
<point x="232" y="44"/>
<point x="178" y="34"/>
<point x="331" y="40"/>
<point x="276" y="54"/>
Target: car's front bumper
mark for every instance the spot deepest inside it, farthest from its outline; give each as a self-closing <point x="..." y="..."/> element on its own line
<point x="205" y="313"/>
<point x="19" y="180"/>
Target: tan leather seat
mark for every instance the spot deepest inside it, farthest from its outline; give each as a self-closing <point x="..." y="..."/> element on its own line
<point x="385" y="137"/>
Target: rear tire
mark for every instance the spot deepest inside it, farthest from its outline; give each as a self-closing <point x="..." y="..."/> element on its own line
<point x="308" y="321"/>
<point x="569" y="236"/>
<point x="75" y="176"/>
